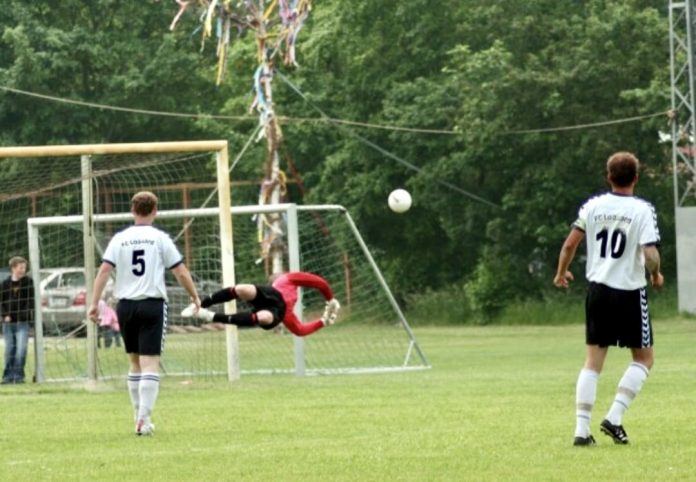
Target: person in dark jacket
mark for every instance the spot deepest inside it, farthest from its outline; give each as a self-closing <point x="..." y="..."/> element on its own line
<point x="16" y="312"/>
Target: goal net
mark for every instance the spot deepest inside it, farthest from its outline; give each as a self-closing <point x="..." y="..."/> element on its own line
<point x="61" y="205"/>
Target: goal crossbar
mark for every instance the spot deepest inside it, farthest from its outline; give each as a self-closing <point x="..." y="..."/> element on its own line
<point x="102" y="149"/>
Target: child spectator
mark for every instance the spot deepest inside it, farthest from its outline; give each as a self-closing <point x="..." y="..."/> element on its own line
<point x="109" y="328"/>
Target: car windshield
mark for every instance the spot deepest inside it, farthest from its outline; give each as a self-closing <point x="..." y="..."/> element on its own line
<point x="73" y="279"/>
<point x="62" y="278"/>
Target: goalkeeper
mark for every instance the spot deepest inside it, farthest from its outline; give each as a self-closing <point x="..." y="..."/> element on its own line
<point x="271" y="304"/>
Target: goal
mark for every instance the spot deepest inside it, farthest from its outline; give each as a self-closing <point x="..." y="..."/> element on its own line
<point x="75" y="197"/>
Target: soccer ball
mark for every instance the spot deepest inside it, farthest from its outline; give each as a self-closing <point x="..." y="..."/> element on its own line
<point x="399" y="200"/>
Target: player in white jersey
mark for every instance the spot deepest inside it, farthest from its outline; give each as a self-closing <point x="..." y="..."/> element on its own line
<point x="140" y="254"/>
<point x="622" y="237"/>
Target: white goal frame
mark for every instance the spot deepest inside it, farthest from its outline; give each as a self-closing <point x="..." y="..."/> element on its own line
<point x="290" y="212"/>
<point x="88" y="219"/>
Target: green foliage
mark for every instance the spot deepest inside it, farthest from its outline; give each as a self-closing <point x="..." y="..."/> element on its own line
<point x="476" y="304"/>
<point x="448" y="306"/>
<point x="485" y="70"/>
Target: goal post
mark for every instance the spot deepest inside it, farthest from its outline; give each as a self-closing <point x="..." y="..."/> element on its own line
<point x="86" y="181"/>
<point x="61" y="205"/>
<point x="388" y="343"/>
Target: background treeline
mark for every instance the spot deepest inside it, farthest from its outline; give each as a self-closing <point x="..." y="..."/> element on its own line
<point x="483" y="69"/>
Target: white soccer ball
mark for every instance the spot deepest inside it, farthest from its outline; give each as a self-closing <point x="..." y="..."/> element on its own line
<point x="399" y="200"/>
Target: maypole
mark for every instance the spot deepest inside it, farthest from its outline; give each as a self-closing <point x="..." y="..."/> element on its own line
<point x="276" y="24"/>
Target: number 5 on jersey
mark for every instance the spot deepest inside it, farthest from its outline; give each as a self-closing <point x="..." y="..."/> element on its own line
<point x="138" y="262"/>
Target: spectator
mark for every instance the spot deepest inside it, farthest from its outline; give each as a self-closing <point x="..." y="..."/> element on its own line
<point x="109" y="329"/>
<point x="17" y="311"/>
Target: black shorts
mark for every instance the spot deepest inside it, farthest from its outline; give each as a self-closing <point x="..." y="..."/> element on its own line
<point x="143" y="325"/>
<point x="617" y="317"/>
<point x="270" y="299"/>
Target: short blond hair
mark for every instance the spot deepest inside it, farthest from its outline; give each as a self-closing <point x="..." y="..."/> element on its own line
<point x="143" y="203"/>
<point x="15" y="260"/>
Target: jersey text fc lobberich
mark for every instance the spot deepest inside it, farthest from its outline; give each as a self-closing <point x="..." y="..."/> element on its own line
<point x="616" y="228"/>
<point x="140" y="254"/>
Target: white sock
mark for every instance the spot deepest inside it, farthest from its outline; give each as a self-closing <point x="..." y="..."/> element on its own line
<point x="149" y="388"/>
<point x="629" y="386"/>
<point x="585" y="394"/>
<point x="133" y="387"/>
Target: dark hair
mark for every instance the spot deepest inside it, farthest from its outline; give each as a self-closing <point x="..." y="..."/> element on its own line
<point x="143" y="203"/>
<point x="622" y="168"/>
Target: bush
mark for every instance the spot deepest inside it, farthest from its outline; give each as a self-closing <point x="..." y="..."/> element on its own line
<point x="443" y="307"/>
<point x="558" y="307"/>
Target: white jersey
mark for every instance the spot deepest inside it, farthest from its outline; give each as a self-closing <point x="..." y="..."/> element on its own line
<point x="616" y="228"/>
<point x="140" y="254"/>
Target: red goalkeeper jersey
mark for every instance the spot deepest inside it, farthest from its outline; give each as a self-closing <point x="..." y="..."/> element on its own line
<point x="288" y="284"/>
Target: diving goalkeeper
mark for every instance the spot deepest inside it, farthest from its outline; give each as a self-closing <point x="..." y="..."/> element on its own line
<point x="271" y="304"/>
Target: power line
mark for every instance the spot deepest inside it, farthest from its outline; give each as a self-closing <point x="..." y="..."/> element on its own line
<point x="333" y="120"/>
<point x="94" y="105"/>
<point x="330" y="120"/>
<point x="382" y="150"/>
<point x="286" y="119"/>
<point x="589" y="126"/>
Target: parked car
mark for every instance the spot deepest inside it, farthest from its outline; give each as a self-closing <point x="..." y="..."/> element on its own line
<point x="64" y="296"/>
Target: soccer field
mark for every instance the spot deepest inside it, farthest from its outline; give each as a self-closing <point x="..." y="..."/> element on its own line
<point x="498" y="405"/>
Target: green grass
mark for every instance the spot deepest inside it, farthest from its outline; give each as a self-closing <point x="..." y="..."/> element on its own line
<point x="497" y="405"/>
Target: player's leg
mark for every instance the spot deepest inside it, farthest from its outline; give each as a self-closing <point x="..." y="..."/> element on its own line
<point x="150" y="315"/>
<point x="633" y="317"/>
<point x="243" y="291"/>
<point x="629" y="386"/>
<point x="129" y="332"/>
<point x="262" y="318"/>
<point x="586" y="393"/>
<point x="134" y="373"/>
<point x="244" y="318"/>
<point x="267" y="319"/>
<point x="596" y="343"/>
<point x="148" y="392"/>
<point x="268" y="308"/>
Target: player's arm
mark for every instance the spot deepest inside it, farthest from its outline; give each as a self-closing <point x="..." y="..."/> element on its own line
<point x="652" y="263"/>
<point x="309" y="280"/>
<point x="99" y="283"/>
<point x="297" y="328"/>
<point x="183" y="276"/>
<point x="570" y="246"/>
